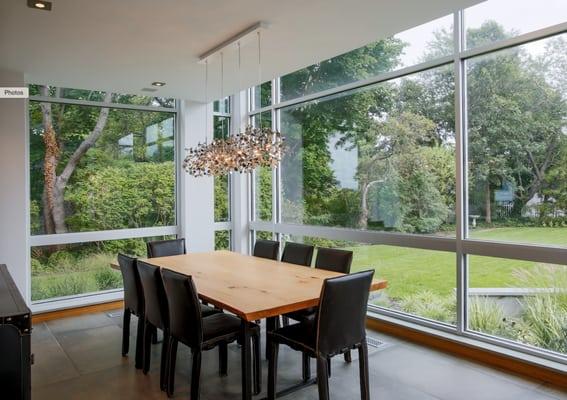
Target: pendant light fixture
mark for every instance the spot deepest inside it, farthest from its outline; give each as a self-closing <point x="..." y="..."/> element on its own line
<point x="245" y="151"/>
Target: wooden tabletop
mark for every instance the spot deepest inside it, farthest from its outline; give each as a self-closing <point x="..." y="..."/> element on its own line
<point x="252" y="287"/>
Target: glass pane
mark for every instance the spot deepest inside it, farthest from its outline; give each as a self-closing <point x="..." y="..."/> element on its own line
<point x="222" y="106"/>
<point x="264" y="235"/>
<point x="494" y="20"/>
<point x="221" y="127"/>
<point x="222" y="240"/>
<point x="521" y="301"/>
<point x="262" y="120"/>
<point x="425" y="42"/>
<point x="262" y="95"/>
<point x="75" y="269"/>
<point x="263" y="191"/>
<point x="517" y="145"/>
<point x="222" y="198"/>
<point x="95" y="168"/>
<point x="420" y="282"/>
<point x="357" y="159"/>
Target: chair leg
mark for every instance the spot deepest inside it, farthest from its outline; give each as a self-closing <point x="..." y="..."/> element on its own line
<point x="196" y="374"/>
<point x="154" y="335"/>
<point x="329" y="366"/>
<point x="273" y="370"/>
<point x="363" y="366"/>
<point x="348" y="357"/>
<point x="306" y="367"/>
<point x="140" y="343"/>
<point x="164" y="362"/>
<point x="147" y="346"/>
<point x="323" y="377"/>
<point x="257" y="363"/>
<point x="223" y="359"/>
<point x="126" y="332"/>
<point x="172" y="357"/>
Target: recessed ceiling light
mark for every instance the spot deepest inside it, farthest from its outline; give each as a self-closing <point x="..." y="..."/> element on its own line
<point x="40" y="4"/>
<point x="157" y="83"/>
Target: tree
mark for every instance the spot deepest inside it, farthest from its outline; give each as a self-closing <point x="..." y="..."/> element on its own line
<point x="55" y="183"/>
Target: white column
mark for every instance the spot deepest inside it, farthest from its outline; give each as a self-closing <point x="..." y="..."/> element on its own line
<point x="240" y="186"/>
<point x="196" y="218"/>
<point x="14" y="184"/>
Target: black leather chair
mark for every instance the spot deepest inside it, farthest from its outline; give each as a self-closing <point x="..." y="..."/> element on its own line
<point x="335" y="260"/>
<point x="133" y="304"/>
<point x="156" y="315"/>
<point x="190" y="327"/>
<point x="338" y="327"/>
<point x="297" y="253"/>
<point x="165" y="248"/>
<point x="266" y="249"/>
<point x="300" y="254"/>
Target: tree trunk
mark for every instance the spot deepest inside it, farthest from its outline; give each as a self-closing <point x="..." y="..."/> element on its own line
<point x="363" y="218"/>
<point x="50" y="161"/>
<point x="55" y="185"/>
<point x="488" y="203"/>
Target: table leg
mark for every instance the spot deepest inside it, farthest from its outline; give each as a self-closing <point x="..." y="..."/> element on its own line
<point x="246" y="362"/>
<point x="270" y="326"/>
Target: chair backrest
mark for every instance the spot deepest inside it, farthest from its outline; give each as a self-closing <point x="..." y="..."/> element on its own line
<point x="334" y="260"/>
<point x="297" y="253"/>
<point x="341" y="318"/>
<point x="185" y="320"/>
<point x="266" y="249"/>
<point x="165" y="248"/>
<point x="155" y="300"/>
<point x="133" y="296"/>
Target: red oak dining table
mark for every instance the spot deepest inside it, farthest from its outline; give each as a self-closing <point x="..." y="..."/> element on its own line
<point x="252" y="288"/>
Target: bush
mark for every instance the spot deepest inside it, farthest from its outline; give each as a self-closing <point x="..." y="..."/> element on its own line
<point x="430" y="305"/>
<point x="488" y="317"/>
<point x="544" y="319"/>
<point x="107" y="279"/>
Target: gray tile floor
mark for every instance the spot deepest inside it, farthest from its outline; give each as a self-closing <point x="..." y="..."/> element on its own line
<point x="79" y="358"/>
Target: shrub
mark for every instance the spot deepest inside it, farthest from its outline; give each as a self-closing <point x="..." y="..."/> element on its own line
<point x="544" y="319"/>
<point x="107" y="279"/>
<point x="430" y="305"/>
<point x="488" y="317"/>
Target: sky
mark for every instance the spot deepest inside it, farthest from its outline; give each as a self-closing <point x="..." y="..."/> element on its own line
<point x="520" y="15"/>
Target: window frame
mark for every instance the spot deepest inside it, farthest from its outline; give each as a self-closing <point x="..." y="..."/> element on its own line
<point x="105" y="235"/>
<point x="461" y="245"/>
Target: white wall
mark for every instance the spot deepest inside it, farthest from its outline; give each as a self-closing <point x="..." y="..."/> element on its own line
<point x="14" y="220"/>
<point x="196" y="193"/>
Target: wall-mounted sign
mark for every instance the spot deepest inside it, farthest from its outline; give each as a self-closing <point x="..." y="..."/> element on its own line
<point x="14" y="92"/>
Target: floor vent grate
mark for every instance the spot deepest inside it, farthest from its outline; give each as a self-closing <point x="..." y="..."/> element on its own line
<point x="373" y="342"/>
<point x="115" y="314"/>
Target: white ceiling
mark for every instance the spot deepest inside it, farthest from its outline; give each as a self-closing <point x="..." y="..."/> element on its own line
<point x="124" y="45"/>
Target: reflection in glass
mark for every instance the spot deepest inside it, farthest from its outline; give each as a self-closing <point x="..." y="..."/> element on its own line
<point x="378" y="158"/>
<point x="517" y="147"/>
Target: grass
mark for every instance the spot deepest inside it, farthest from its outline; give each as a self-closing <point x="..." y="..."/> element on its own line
<point x="410" y="271"/>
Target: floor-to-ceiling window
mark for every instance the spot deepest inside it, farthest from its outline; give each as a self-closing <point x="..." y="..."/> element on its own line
<point x="222" y="128"/>
<point x="438" y="156"/>
<point x="102" y="181"/>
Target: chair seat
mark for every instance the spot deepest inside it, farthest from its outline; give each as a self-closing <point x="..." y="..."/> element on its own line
<point x="306" y="315"/>
<point x="300" y="336"/>
<point x="222" y="327"/>
<point x="206" y="310"/>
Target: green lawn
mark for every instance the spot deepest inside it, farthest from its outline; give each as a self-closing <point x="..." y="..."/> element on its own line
<point x="413" y="270"/>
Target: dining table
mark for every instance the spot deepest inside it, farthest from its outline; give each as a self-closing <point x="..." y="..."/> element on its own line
<point x="252" y="288"/>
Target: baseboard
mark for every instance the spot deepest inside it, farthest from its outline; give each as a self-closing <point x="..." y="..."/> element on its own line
<point x="76" y="311"/>
<point x="467" y="351"/>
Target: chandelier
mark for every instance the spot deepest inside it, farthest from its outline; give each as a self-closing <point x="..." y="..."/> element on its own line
<point x="244" y="152"/>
